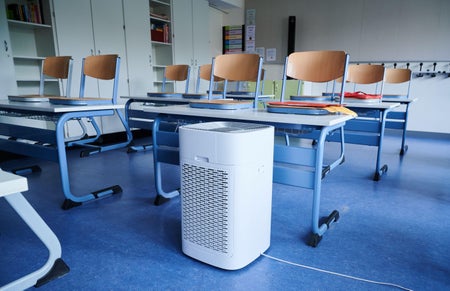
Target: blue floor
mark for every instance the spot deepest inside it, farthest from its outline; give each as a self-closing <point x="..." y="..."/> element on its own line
<point x="395" y="230"/>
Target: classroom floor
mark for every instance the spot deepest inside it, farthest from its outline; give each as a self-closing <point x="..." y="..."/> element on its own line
<point x="395" y="230"/>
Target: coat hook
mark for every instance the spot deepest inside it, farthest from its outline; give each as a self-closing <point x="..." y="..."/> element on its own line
<point x="420" y="71"/>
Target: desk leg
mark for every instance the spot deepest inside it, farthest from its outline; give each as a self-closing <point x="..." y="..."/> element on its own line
<point x="380" y="170"/>
<point x="131" y="147"/>
<point x="405" y="124"/>
<point x="320" y="226"/>
<point x="54" y="267"/>
<point x="72" y="200"/>
<point x="166" y="156"/>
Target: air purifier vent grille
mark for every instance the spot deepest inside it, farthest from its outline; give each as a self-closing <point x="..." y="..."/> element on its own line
<point x="205" y="195"/>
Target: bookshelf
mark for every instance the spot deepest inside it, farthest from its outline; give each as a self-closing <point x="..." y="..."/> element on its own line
<point x="32" y="39"/>
<point x="161" y="39"/>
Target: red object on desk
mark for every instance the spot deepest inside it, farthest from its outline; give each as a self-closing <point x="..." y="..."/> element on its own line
<point x="361" y="95"/>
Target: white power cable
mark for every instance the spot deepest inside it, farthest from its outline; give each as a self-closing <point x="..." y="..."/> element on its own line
<point x="336" y="274"/>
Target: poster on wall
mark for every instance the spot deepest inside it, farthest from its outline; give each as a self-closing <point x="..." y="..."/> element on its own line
<point x="250" y="38"/>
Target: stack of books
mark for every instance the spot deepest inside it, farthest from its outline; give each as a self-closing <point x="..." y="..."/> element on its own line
<point x="233" y="39"/>
<point x="30" y="12"/>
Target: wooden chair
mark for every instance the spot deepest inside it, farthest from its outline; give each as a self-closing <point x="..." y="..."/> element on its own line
<point x="401" y="80"/>
<point x="244" y="94"/>
<point x="398" y="76"/>
<point x="173" y="73"/>
<point x="368" y="82"/>
<point x="204" y="74"/>
<point x="177" y="73"/>
<point x="59" y="67"/>
<point x="101" y="68"/>
<point x="54" y="67"/>
<point x="237" y="67"/>
<point x="315" y="67"/>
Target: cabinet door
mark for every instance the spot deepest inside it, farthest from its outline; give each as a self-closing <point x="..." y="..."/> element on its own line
<point x="8" y="83"/>
<point x="201" y="44"/>
<point x="139" y="49"/>
<point x="75" y="37"/>
<point x="109" y="38"/>
<point x="191" y="41"/>
<point x="183" y="39"/>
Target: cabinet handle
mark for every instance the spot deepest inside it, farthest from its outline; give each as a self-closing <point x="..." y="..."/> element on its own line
<point x="6" y="45"/>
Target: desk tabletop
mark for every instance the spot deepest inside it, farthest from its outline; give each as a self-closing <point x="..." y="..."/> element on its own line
<point x="10" y="183"/>
<point x="48" y="107"/>
<point x="259" y="115"/>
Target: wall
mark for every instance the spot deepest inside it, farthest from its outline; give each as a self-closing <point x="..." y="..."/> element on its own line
<point x="384" y="31"/>
<point x="219" y="18"/>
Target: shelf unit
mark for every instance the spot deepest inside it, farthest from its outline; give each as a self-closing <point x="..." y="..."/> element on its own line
<point x="161" y="39"/>
<point x="30" y="43"/>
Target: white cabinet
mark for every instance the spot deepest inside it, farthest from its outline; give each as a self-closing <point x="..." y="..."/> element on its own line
<point x="7" y="81"/>
<point x="91" y="27"/>
<point x="31" y="40"/>
<point x="191" y="36"/>
<point x="139" y="49"/>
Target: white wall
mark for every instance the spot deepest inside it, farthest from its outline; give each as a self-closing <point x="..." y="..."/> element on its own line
<point x="383" y="30"/>
<point x="217" y="19"/>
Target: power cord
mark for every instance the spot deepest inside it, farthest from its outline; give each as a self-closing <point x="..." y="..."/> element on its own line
<point x="336" y="274"/>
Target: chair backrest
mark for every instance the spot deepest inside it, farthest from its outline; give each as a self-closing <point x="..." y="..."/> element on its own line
<point x="316" y="67"/>
<point x="237" y="67"/>
<point x="398" y="76"/>
<point x="395" y="76"/>
<point x="102" y="67"/>
<point x="204" y="73"/>
<point x="366" y="74"/>
<point x="59" y="67"/>
<point x="176" y="73"/>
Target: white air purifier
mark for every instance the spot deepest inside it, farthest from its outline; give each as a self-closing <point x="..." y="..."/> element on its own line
<point x="226" y="191"/>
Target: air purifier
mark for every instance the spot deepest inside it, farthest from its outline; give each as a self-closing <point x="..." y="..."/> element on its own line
<point x="226" y="191"/>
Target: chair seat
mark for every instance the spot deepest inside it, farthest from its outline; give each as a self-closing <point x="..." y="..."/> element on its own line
<point x="80" y="101"/>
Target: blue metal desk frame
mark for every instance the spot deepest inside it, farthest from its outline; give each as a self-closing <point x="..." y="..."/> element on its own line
<point x="55" y="267"/>
<point x="49" y="144"/>
<point x="399" y="119"/>
<point x="297" y="166"/>
<point x="139" y="119"/>
<point x="368" y="129"/>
